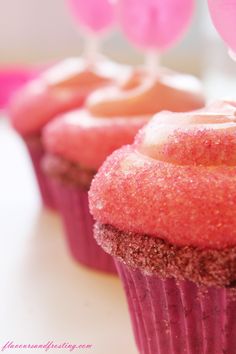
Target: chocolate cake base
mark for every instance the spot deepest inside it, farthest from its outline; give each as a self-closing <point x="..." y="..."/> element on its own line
<point x="155" y="256"/>
<point x="67" y="172"/>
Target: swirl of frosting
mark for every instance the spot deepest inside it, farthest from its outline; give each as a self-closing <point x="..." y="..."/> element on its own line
<point x="143" y="94"/>
<point x="113" y="115"/>
<point x="204" y="138"/>
<point x="176" y="182"/>
<point x="63" y="87"/>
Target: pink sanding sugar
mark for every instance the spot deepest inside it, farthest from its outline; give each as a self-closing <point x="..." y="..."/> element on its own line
<point x="190" y="201"/>
<point x="203" y="138"/>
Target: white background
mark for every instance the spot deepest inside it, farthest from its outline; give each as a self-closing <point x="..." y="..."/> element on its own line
<point x="41" y="30"/>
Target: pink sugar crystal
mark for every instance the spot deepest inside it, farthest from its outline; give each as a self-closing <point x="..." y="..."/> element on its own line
<point x="202" y="148"/>
<point x="199" y="138"/>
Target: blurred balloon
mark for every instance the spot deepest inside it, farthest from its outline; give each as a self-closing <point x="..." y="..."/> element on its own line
<point x="94" y="15"/>
<point x="223" y="13"/>
<point x="154" y="24"/>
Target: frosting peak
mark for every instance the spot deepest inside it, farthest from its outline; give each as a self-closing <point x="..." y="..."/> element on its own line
<point x="204" y="137"/>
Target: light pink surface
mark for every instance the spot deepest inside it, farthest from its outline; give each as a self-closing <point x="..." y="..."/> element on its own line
<point x="95" y="15"/>
<point x="223" y="13"/>
<point x="170" y="317"/>
<point x="155" y="24"/>
<point x="113" y="115"/>
<point x="177" y="182"/>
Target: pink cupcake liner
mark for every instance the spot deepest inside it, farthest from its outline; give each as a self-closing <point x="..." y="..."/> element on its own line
<point x="47" y="186"/>
<point x="78" y="224"/>
<point x="178" y="317"/>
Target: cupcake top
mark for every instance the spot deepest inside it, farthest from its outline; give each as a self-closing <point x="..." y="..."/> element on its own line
<point x="113" y="115"/>
<point x="177" y="182"/>
<point x="59" y="89"/>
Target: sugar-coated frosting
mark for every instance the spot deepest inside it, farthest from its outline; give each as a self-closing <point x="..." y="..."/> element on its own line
<point x="114" y="114"/>
<point x="63" y="87"/>
<point x="176" y="182"/>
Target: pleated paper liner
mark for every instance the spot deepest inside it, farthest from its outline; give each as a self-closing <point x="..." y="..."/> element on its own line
<point x="46" y="185"/>
<point x="179" y="317"/>
<point x="78" y="224"/>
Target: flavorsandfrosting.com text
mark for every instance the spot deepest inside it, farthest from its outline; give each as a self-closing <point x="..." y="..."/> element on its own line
<point x="50" y="345"/>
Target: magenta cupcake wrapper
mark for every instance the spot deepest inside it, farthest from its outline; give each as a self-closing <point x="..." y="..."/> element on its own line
<point x="46" y="185"/>
<point x="178" y="317"/>
<point x="78" y="224"/>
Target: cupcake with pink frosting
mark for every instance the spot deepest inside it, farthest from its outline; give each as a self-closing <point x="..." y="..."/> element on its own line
<point x="165" y="209"/>
<point x="78" y="142"/>
<point x="59" y="89"/>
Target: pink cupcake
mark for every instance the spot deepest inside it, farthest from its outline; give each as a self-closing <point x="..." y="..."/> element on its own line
<point x="57" y="90"/>
<point x="77" y="143"/>
<point x="165" y="209"/>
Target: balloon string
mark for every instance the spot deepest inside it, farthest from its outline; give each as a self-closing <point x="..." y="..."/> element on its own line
<point x="92" y="48"/>
<point x="152" y="61"/>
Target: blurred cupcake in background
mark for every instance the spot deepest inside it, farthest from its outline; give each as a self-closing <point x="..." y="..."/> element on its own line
<point x="78" y="142"/>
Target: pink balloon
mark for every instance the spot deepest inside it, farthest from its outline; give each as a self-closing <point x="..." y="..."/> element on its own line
<point x="154" y="24"/>
<point x="95" y="15"/>
<point x="223" y="13"/>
